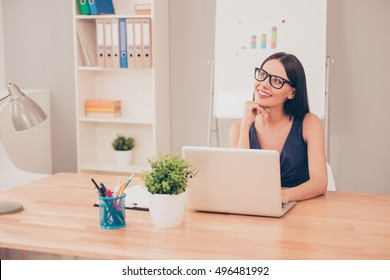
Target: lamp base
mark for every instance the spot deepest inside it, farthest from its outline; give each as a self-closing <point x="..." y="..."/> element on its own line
<point x="10" y="207"/>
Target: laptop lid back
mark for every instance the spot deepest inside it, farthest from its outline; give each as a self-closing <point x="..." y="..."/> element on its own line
<point x="239" y="181"/>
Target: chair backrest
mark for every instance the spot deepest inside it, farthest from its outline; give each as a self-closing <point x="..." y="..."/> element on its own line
<point x="331" y="183"/>
<point x="11" y="175"/>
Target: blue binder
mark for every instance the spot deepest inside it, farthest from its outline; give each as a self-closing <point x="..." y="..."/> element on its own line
<point x="122" y="43"/>
<point x="83" y="6"/>
<point x="98" y="7"/>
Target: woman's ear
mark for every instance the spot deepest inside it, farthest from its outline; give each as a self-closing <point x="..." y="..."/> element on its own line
<point x="291" y="95"/>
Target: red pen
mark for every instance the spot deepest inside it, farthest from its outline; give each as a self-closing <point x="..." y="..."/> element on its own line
<point x="109" y="194"/>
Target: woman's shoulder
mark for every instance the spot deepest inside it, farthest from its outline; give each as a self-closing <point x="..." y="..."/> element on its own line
<point x="311" y="124"/>
<point x="310" y="118"/>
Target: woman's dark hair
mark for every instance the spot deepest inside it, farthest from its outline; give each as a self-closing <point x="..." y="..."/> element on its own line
<point x="299" y="105"/>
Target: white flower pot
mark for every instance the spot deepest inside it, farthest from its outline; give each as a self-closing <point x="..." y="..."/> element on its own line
<point x="123" y="158"/>
<point x="167" y="211"/>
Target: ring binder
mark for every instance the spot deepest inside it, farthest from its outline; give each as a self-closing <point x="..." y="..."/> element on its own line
<point x="98" y="7"/>
<point x="146" y="43"/>
<point x="138" y="42"/>
<point x="108" y="43"/>
<point x="100" y="43"/>
<point x="123" y="43"/>
<point x="130" y="43"/>
<point x="83" y="7"/>
<point x="115" y="43"/>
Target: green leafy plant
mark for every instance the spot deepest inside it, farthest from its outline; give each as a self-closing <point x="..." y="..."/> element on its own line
<point x="122" y="143"/>
<point x="169" y="174"/>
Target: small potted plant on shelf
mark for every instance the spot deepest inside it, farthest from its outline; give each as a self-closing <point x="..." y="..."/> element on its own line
<point x="166" y="182"/>
<point x="123" y="147"/>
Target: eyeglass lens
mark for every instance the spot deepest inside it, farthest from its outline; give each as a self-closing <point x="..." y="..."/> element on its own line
<point x="275" y="81"/>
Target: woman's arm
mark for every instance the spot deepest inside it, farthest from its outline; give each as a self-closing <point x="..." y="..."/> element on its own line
<point x="313" y="134"/>
<point x="239" y="135"/>
<point x="239" y="130"/>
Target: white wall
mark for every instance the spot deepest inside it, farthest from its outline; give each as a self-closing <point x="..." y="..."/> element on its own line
<point x="38" y="43"/>
<point x="2" y="69"/>
<point x="192" y="45"/>
<point x="359" y="42"/>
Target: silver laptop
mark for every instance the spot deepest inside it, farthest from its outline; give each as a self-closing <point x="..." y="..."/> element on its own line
<point x="237" y="181"/>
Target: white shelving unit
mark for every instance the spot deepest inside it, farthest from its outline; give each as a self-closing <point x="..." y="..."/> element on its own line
<point x="144" y="95"/>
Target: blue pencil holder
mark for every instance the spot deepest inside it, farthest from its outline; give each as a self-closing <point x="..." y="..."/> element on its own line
<point x="112" y="212"/>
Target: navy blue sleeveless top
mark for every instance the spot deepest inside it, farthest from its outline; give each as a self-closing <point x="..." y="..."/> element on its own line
<point x="294" y="169"/>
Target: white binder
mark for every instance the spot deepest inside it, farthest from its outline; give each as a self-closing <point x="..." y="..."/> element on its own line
<point x="108" y="42"/>
<point x="138" y="42"/>
<point x="115" y="43"/>
<point x="100" y="43"/>
<point x="130" y="43"/>
<point x="146" y="43"/>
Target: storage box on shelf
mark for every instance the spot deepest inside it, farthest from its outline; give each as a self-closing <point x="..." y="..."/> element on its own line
<point x="143" y="92"/>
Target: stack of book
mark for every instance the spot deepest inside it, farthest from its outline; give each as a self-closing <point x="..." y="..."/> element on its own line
<point x="142" y="9"/>
<point x="105" y="108"/>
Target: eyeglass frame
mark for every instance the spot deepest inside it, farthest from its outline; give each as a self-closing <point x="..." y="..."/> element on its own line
<point x="257" y="69"/>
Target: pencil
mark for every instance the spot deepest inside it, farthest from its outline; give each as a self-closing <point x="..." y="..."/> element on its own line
<point x="124" y="185"/>
<point x="128" y="181"/>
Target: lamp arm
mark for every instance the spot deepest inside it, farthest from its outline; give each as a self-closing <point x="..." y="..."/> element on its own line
<point x="5" y="103"/>
<point x="1" y="99"/>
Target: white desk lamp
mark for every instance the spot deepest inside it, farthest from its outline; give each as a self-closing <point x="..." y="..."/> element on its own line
<point x="25" y="113"/>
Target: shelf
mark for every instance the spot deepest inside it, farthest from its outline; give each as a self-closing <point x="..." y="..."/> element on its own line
<point x="93" y="17"/>
<point x="113" y="168"/>
<point x="89" y="68"/>
<point x="143" y="92"/>
<point x="121" y="120"/>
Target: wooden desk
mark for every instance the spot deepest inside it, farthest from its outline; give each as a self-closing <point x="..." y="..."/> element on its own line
<point x="59" y="219"/>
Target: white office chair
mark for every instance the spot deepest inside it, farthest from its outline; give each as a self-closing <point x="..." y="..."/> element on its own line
<point x="331" y="183"/>
<point x="11" y="175"/>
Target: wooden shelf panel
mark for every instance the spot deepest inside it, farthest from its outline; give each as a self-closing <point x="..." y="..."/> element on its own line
<point x="113" y="168"/>
<point x="119" y="120"/>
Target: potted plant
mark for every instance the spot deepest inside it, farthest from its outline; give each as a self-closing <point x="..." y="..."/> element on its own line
<point x="123" y="149"/>
<point x="166" y="182"/>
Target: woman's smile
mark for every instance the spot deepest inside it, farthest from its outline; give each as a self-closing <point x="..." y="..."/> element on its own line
<point x="263" y="94"/>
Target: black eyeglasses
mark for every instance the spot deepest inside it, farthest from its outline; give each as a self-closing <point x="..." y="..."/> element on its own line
<point x="275" y="81"/>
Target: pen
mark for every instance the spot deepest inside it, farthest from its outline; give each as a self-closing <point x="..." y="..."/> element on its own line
<point x="117" y="188"/>
<point x="128" y="181"/>
<point x="109" y="194"/>
<point x="102" y="190"/>
<point x="113" y="212"/>
<point x="116" y="206"/>
<point x="96" y="185"/>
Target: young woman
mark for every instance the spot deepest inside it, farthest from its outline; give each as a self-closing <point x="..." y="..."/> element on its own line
<point x="279" y="119"/>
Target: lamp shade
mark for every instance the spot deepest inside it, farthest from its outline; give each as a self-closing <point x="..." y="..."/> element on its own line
<point x="25" y="113"/>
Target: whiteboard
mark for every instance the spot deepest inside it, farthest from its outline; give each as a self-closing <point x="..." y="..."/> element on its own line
<point x="248" y="31"/>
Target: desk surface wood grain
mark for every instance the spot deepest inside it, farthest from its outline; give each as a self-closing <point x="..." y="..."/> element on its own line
<point x="59" y="219"/>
